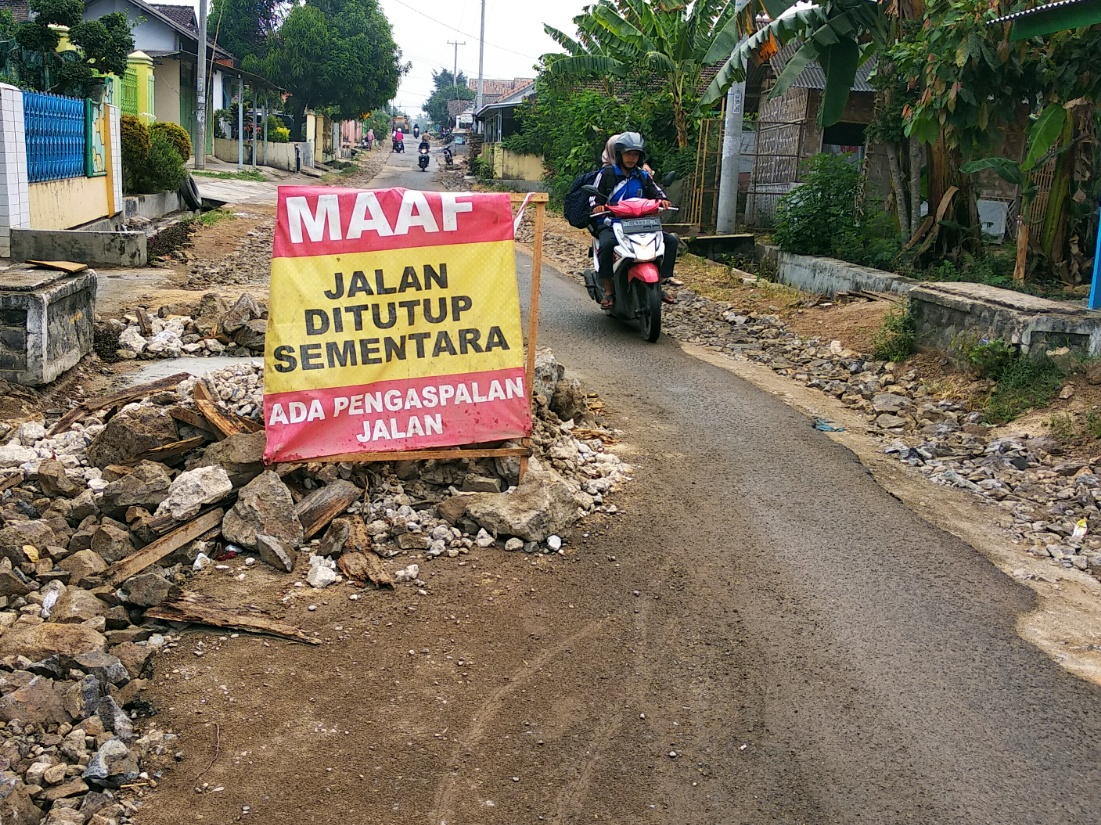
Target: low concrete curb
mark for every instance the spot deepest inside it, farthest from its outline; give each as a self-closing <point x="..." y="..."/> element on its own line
<point x="123" y="249"/>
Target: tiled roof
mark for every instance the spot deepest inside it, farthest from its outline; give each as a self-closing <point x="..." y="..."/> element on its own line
<point x="499" y="88"/>
<point x="182" y="15"/>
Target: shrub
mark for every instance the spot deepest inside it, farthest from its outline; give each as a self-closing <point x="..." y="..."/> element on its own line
<point x="163" y="170"/>
<point x="1025" y="384"/>
<point x="991" y="359"/>
<point x="895" y="339"/>
<point x="135" y="149"/>
<point x="279" y="134"/>
<point x="177" y="135"/>
<point x="822" y="209"/>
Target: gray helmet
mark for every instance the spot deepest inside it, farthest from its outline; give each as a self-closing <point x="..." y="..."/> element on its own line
<point x="630" y="142"/>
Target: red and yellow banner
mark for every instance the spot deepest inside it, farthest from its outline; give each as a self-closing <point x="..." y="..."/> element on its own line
<point x="394" y="323"/>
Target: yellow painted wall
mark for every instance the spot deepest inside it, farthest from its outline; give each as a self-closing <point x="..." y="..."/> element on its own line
<point x="512" y="166"/>
<point x="63" y="204"/>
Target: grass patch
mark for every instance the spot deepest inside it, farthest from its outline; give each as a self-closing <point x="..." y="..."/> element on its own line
<point x="216" y="216"/>
<point x="895" y="339"/>
<point x="250" y="174"/>
<point x="1025" y="385"/>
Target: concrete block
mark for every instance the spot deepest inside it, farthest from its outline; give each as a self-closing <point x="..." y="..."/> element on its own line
<point x="122" y="249"/>
<point x="46" y="321"/>
<point x="828" y="276"/>
<point x="953" y="317"/>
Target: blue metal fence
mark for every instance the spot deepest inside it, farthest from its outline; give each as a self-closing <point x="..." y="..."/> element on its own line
<point x="56" y="136"/>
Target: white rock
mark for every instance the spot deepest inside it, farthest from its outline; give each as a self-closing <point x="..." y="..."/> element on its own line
<point x="194" y="489"/>
<point x="132" y="341"/>
<point x="407" y="574"/>
<point x="484" y="539"/>
<point x="30" y="432"/>
<point x="554" y="542"/>
<point x="202" y="561"/>
<point x="322" y="572"/>
<point x="12" y="455"/>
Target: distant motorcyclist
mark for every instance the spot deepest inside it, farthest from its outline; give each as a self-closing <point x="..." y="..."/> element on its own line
<point x="416" y="130"/>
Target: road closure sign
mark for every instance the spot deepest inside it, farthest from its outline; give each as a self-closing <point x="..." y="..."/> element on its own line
<point x="394" y="323"/>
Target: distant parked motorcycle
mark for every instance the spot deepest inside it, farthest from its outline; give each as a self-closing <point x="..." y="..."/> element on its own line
<point x="448" y="158"/>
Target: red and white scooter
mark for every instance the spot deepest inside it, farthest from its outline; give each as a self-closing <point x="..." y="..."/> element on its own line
<point x="636" y="262"/>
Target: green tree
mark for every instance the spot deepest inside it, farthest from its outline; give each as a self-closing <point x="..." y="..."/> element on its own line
<point x="667" y="40"/>
<point x="337" y="54"/>
<point x="244" y="27"/>
<point x="447" y="88"/>
<point x="103" y="45"/>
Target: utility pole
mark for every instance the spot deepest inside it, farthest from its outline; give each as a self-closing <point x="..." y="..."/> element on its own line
<point x="481" y="55"/>
<point x="200" y="92"/>
<point x="730" y="170"/>
<point x="454" y="76"/>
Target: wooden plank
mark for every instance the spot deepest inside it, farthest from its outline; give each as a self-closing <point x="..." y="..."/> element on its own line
<point x="169" y="451"/>
<point x="61" y="266"/>
<point x="117" y="398"/>
<point x="424" y="455"/>
<point x="191" y="418"/>
<point x="324" y="504"/>
<point x="364" y="567"/>
<point x="152" y="553"/>
<point x="144" y="321"/>
<point x="196" y="608"/>
<point x="220" y="420"/>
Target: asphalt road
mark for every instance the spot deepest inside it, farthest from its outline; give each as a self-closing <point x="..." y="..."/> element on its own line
<point x="867" y="662"/>
<point x="762" y="636"/>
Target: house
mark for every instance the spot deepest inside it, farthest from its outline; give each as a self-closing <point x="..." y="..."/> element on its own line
<point x="497" y="121"/>
<point x="788" y="132"/>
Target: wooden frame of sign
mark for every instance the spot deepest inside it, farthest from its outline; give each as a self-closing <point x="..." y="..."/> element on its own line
<point x="539" y="201"/>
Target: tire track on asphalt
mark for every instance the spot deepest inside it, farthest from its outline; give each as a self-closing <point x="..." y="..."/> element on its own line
<point x="447" y="790"/>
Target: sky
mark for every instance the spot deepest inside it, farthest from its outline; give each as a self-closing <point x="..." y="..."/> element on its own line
<point x="514" y="39"/>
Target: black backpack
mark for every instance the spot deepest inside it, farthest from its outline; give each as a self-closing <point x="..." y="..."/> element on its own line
<point x="576" y="206"/>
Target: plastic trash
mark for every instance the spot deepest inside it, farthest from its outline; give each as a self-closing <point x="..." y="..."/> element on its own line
<point x="825" y="426"/>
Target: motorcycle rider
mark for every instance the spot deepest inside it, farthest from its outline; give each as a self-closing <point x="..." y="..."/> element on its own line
<point x="399" y="141"/>
<point x="625" y="178"/>
<point x="416" y="130"/>
<point x="425" y="146"/>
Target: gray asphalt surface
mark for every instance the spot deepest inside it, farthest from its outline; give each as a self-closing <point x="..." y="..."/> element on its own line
<point x="809" y="649"/>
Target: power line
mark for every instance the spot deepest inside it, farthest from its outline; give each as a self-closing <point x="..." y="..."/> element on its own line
<point x="460" y="31"/>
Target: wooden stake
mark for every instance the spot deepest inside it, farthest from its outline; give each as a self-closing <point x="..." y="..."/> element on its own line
<point x="199" y="609"/>
<point x="165" y="546"/>
<point x="324" y="504"/>
<point x="117" y="398"/>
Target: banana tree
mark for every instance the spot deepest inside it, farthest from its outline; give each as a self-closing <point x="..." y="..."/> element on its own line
<point x="838" y="34"/>
<point x="668" y="39"/>
<point x="1048" y="137"/>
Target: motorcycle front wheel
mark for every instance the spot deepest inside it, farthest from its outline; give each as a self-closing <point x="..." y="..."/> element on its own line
<point x="648" y="309"/>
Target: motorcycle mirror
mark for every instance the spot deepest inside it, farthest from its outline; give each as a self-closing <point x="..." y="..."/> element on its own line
<point x="592" y="190"/>
<point x="668" y="179"/>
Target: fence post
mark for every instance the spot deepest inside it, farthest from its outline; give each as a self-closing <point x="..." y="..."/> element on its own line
<point x="15" y="208"/>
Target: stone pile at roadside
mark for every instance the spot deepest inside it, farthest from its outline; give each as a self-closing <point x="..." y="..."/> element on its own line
<point x="213" y="326"/>
<point x="107" y="516"/>
<point x="248" y="263"/>
<point x="1047" y="496"/>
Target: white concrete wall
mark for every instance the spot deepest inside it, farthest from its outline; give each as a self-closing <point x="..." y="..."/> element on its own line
<point x="15" y="204"/>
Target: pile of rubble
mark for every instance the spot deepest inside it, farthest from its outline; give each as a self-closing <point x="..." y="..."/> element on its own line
<point x="106" y="517"/>
<point x="250" y="263"/>
<point x="211" y="327"/>
<point x="1054" y="502"/>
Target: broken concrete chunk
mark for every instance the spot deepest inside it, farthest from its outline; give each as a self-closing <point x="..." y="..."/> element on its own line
<point x="41" y="641"/>
<point x="77" y="605"/>
<point x="113" y="765"/>
<point x="54" y="479"/>
<point x="241" y="456"/>
<point x="149" y="589"/>
<point x="147" y="486"/>
<point x="264" y="506"/>
<point x="539" y="507"/>
<point x="193" y="490"/>
<point x="132" y="432"/>
<point x="35" y="704"/>
<point x="244" y="309"/>
<point x="82" y="564"/>
<point x="111" y="541"/>
<point x="275" y="552"/>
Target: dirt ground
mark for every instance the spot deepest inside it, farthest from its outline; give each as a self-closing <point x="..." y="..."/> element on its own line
<point x="427" y="678"/>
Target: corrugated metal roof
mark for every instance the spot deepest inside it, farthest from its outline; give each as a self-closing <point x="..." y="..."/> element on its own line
<point x="1043" y="9"/>
<point x="813" y="76"/>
